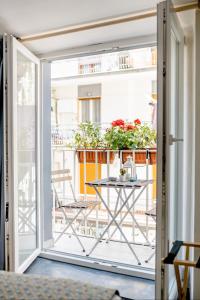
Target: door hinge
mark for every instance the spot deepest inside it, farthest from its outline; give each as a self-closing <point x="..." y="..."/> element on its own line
<point x="8" y="263"/>
<point x="164" y="71"/>
<point x="7" y="238"/>
<point x="7" y="251"/>
<point x="164" y="15"/>
<point x="6" y="86"/>
<point x="6" y="45"/>
<point x="162" y="281"/>
<point x="162" y="272"/>
<point x="7" y="212"/>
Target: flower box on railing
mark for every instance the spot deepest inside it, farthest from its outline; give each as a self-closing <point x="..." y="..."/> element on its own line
<point x="141" y="156"/>
<point x="95" y="156"/>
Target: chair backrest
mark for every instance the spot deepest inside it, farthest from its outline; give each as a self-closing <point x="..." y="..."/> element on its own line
<point x="59" y="176"/>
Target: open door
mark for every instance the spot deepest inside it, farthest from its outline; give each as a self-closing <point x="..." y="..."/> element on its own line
<point x="22" y="152"/>
<point x="170" y="144"/>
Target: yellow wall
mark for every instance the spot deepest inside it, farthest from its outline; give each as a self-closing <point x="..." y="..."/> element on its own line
<point x="154" y="183"/>
<point x="90" y="175"/>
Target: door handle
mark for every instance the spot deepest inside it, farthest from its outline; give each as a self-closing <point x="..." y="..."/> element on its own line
<point x="174" y="140"/>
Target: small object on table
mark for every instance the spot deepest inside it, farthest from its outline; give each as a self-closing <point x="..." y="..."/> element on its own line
<point x="112" y="178"/>
<point x="133" y="179"/>
<point x="130" y="167"/>
<point x="122" y="176"/>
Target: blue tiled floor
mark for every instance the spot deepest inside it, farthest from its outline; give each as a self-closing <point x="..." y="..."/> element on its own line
<point x="129" y="287"/>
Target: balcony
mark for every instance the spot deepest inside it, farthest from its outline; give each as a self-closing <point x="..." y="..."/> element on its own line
<point x="98" y="89"/>
<point x="139" y="228"/>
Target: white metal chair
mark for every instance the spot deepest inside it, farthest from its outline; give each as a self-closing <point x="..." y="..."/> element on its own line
<point x="78" y="205"/>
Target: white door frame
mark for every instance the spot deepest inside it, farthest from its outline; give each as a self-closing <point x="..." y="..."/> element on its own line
<point x="166" y="22"/>
<point x="140" y="272"/>
<point x="12" y="46"/>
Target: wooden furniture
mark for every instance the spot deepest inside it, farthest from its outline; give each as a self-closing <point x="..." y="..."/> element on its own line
<point x="186" y="263"/>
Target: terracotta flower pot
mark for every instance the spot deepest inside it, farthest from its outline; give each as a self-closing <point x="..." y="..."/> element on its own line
<point x="141" y="156"/>
<point x="90" y="156"/>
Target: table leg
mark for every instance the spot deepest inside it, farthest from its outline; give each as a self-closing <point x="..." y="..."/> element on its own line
<point x="134" y="219"/>
<point x="131" y="207"/>
<point x="113" y="219"/>
<point x="115" y="210"/>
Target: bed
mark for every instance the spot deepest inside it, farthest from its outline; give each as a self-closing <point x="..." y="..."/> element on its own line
<point x="32" y="287"/>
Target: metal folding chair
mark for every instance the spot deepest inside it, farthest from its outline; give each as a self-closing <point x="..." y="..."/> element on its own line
<point x="151" y="213"/>
<point x="79" y="206"/>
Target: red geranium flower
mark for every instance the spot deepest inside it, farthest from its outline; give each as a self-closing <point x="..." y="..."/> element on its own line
<point x="118" y="122"/>
<point x="137" y="122"/>
<point x="130" y="127"/>
<point x="122" y="126"/>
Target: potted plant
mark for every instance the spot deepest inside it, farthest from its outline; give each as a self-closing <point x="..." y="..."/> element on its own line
<point x="87" y="139"/>
<point x="132" y="136"/>
<point x="122" y="176"/>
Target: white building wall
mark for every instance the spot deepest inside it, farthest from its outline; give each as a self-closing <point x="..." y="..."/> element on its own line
<point x="125" y="96"/>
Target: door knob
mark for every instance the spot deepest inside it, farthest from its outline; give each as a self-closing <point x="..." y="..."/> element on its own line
<point x="174" y="140"/>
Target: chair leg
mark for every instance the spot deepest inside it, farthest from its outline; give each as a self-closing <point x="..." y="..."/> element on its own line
<point x="150" y="257"/>
<point x="85" y="216"/>
<point x="77" y="237"/>
<point x="71" y="226"/>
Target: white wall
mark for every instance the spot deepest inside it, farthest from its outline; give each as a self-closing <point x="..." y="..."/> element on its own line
<point x="125" y="96"/>
<point x="191" y="192"/>
<point x="128" y="96"/>
<point x="188" y="134"/>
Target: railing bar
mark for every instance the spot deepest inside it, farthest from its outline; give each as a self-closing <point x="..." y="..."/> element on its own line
<point x="133" y="198"/>
<point x="85" y="172"/>
<point x="64" y="183"/>
<point x="54" y="212"/>
<point x="97" y="210"/>
<point x="108" y="190"/>
<point x="147" y="198"/>
<point x="120" y="157"/>
<point x="74" y="173"/>
<point x="121" y="165"/>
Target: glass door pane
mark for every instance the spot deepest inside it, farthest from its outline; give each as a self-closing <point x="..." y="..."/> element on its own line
<point x="23" y="152"/>
<point x="26" y="152"/>
<point x="174" y="150"/>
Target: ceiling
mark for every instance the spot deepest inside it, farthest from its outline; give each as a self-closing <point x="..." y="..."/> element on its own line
<point x="95" y="36"/>
<point x="25" y="17"/>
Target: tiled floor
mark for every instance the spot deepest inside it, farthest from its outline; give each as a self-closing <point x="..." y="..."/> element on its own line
<point x="129" y="287"/>
<point x="113" y="251"/>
